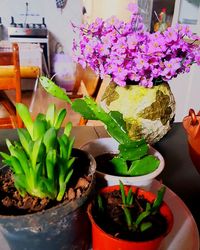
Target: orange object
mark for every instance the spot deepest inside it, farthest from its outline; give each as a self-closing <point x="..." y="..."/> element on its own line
<point x="10" y="58"/>
<point x="191" y="124"/>
<point x="103" y="241"/>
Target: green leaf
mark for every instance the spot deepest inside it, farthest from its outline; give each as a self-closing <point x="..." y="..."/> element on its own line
<point x="50" y="139"/>
<point x="142" y="216"/>
<point x="145" y="225"/>
<point x="129" y="198"/>
<point x="70" y="147"/>
<point x="20" y="184"/>
<point x="16" y="166"/>
<point x="5" y="156"/>
<point x="26" y="117"/>
<point x="68" y="128"/>
<point x="120" y="166"/>
<point x="121" y="185"/>
<point x="24" y="138"/>
<point x="50" y="163"/>
<point x="69" y="163"/>
<point x="21" y="156"/>
<point x="159" y="199"/>
<point x="63" y="149"/>
<point x="60" y="116"/>
<point x="144" y="166"/>
<point x="50" y="114"/>
<point x="133" y="150"/>
<point x="35" y="152"/>
<point x="82" y="107"/>
<point x="89" y="109"/>
<point x="100" y="203"/>
<point x="53" y="89"/>
<point x="63" y="184"/>
<point x="39" y="128"/>
<point x="118" y="118"/>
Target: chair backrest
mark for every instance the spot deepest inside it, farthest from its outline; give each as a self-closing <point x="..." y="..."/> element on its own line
<point x="9" y="59"/>
<point x="91" y="80"/>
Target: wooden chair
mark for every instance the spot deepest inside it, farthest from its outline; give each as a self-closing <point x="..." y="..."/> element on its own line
<point x="9" y="59"/>
<point x="91" y="81"/>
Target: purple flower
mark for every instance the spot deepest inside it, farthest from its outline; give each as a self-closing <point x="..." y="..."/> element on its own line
<point x="125" y="51"/>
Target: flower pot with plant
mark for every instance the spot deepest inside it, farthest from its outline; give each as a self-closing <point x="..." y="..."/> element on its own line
<point x="45" y="185"/>
<point x="140" y="65"/>
<point x="126" y="218"/>
<point x="133" y="160"/>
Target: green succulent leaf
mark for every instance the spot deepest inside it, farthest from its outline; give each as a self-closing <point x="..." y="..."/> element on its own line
<point x="26" y="117"/>
<point x="39" y="128"/>
<point x="145" y="226"/>
<point x="50" y="139"/>
<point x="21" y="184"/>
<point x="159" y="199"/>
<point x="24" y="138"/>
<point x="68" y="129"/>
<point x="60" y="116"/>
<point x="89" y="109"/>
<point x="50" y="114"/>
<point x="41" y="160"/>
<point x="53" y="89"/>
<point x="35" y="152"/>
<point x="50" y="163"/>
<point x="143" y="166"/>
<point x="142" y="216"/>
<point x="121" y="185"/>
<point x="81" y="106"/>
<point x="134" y="150"/>
<point x="120" y="166"/>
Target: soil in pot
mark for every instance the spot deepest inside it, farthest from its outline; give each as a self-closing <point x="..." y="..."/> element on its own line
<point x="11" y="202"/>
<point x="112" y="220"/>
<point x="104" y="164"/>
<point x="57" y="226"/>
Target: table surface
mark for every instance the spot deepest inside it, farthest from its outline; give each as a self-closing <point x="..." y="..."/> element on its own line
<point x="179" y="173"/>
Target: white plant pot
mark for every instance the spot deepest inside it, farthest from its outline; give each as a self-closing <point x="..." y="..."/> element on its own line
<point x="109" y="145"/>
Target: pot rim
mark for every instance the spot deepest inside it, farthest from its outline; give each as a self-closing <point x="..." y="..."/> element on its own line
<point x="105" y="141"/>
<point x="66" y="202"/>
<point x="151" y="196"/>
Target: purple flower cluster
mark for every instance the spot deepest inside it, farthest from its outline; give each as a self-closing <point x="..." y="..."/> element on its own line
<point x="128" y="53"/>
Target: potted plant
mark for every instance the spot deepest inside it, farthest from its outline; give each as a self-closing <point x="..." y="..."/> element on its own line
<point x="126" y="218"/>
<point x="45" y="186"/>
<point x="134" y="161"/>
<point x="140" y="65"/>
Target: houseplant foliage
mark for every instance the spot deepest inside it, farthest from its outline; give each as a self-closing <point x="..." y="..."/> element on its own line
<point x="46" y="185"/>
<point x="142" y="63"/>
<point x="133" y="158"/>
<point x="41" y="161"/>
<point x="126" y="217"/>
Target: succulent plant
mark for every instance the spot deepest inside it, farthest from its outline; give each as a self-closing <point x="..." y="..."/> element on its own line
<point x="41" y="160"/>
<point x="137" y="216"/>
<point x="133" y="158"/>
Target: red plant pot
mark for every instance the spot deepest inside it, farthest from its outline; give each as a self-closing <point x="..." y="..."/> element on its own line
<point x="104" y="241"/>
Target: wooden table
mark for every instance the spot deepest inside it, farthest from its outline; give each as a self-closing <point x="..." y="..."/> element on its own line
<point x="179" y="173"/>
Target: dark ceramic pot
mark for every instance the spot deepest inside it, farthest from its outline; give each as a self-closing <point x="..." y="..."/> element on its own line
<point x="65" y="226"/>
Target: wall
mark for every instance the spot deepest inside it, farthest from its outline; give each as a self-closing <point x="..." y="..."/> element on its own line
<point x="58" y="21"/>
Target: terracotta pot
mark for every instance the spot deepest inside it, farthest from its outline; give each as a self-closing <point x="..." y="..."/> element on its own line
<point x="191" y="123"/>
<point x="104" y="241"/>
<point x="101" y="146"/>
<point x="65" y="226"/>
